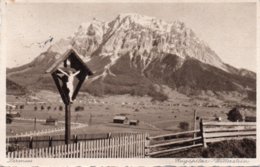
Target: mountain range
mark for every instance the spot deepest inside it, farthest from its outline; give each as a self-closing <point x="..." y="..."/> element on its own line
<point x="136" y="54"/>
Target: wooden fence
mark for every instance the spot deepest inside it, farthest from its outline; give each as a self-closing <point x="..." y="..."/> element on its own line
<point x="55" y="140"/>
<point x="129" y="146"/>
<point x="45" y="131"/>
<point x="220" y="131"/>
<point x="141" y="145"/>
<point x="162" y="145"/>
<point x="209" y="132"/>
<point x="41" y="132"/>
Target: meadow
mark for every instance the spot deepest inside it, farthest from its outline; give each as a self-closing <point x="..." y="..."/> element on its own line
<point x="155" y="117"/>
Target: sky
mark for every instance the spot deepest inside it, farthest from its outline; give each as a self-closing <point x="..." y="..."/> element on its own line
<point x="228" y="28"/>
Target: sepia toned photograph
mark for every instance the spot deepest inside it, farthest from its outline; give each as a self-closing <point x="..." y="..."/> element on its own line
<point x="130" y="80"/>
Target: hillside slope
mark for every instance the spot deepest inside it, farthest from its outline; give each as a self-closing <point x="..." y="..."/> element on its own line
<point x="245" y="148"/>
<point x="15" y="89"/>
<point x="133" y="53"/>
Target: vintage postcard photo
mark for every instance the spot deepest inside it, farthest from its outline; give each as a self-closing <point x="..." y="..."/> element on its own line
<point x="98" y="83"/>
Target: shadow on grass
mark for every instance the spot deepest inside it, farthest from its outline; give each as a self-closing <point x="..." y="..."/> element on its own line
<point x="245" y="148"/>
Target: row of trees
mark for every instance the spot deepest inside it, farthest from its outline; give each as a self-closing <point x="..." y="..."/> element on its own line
<point x="233" y="115"/>
<point x="59" y="108"/>
<point x="48" y="108"/>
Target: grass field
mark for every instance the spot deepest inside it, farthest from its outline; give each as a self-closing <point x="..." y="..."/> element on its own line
<point x="18" y="126"/>
<point x="155" y="118"/>
<point x="245" y="148"/>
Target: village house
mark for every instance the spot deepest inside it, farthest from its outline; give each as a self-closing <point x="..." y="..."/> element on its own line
<point x="134" y="122"/>
<point x="120" y="119"/>
<point x="51" y="121"/>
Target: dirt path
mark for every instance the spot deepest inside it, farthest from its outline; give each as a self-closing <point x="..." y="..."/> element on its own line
<point x="75" y="125"/>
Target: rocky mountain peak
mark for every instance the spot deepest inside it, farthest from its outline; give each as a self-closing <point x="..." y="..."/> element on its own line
<point x="142" y="35"/>
<point x="138" y="34"/>
<point x="133" y="52"/>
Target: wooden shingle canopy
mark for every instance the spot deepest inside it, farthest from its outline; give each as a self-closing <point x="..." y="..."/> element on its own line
<point x="72" y="54"/>
<point x="69" y="62"/>
<point x="119" y="117"/>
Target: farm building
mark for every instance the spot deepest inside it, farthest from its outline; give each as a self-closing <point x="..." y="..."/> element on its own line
<point x="13" y="114"/>
<point x="51" y="121"/>
<point x="9" y="120"/>
<point x="120" y="119"/>
<point x="250" y="119"/>
<point x="134" y="122"/>
<point x="10" y="106"/>
<point x="10" y="111"/>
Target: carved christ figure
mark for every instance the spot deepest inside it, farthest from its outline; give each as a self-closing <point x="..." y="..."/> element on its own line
<point x="69" y="82"/>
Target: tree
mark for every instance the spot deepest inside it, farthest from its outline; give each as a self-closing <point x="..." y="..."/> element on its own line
<point x="21" y="107"/>
<point x="79" y="108"/>
<point x="48" y="108"/>
<point x="234" y="115"/>
<point x="9" y="120"/>
<point x="184" y="125"/>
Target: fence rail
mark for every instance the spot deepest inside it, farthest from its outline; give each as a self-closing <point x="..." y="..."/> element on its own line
<point x="173" y="135"/>
<point x="172" y="142"/>
<point x="225" y="129"/>
<point x="175" y="149"/>
<point x="131" y="146"/>
<point x="229" y="123"/>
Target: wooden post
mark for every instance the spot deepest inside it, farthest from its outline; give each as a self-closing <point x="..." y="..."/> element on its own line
<point x="75" y="139"/>
<point x="202" y="134"/>
<point x="243" y="116"/>
<point x="31" y="143"/>
<point x="67" y="123"/>
<point x="34" y="123"/>
<point x="147" y="149"/>
<point x="50" y="141"/>
<point x="90" y="119"/>
<point x="194" y="134"/>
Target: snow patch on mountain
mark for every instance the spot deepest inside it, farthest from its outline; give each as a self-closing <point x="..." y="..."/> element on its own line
<point x="138" y="35"/>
